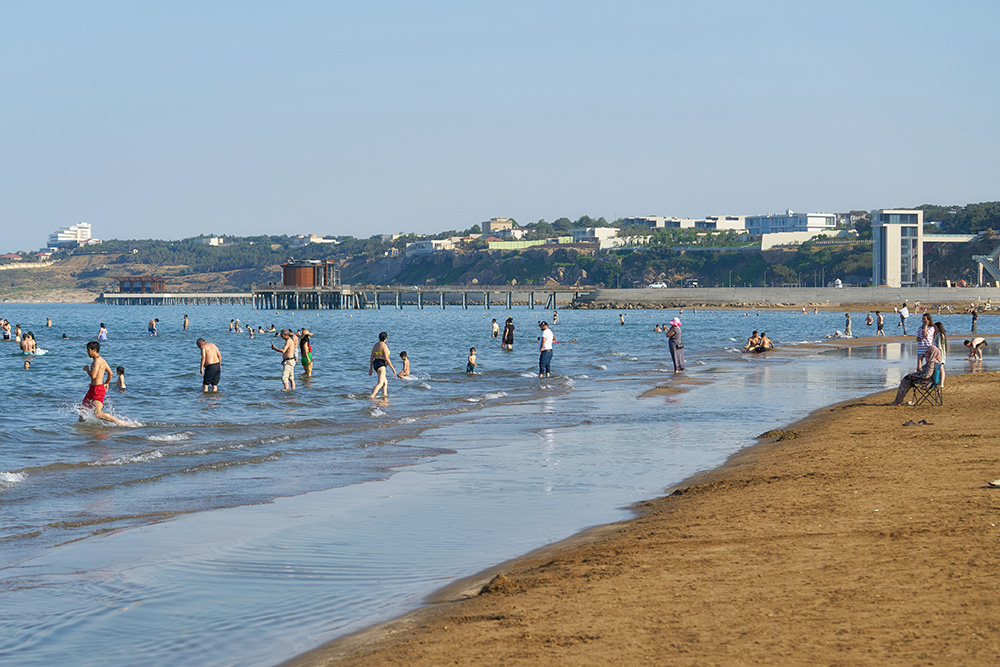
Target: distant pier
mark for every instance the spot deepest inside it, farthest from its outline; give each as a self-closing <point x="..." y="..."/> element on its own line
<point x="174" y="299"/>
<point x="356" y="297"/>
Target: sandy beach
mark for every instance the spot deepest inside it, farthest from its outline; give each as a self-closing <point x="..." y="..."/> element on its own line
<point x="848" y="538"/>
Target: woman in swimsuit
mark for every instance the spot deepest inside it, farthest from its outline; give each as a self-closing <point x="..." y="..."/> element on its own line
<point x="377" y="363"/>
<point x="305" y="347"/>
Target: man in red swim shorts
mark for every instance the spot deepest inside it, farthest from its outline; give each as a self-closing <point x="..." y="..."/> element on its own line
<point x="97" y="372"/>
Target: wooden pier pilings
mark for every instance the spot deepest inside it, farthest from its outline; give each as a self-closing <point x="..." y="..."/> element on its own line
<point x="348" y="297"/>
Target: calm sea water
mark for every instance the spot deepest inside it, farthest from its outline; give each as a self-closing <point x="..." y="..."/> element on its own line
<point x="247" y="526"/>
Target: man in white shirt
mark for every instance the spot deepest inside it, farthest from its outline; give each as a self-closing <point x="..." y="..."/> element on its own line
<point x="545" y="350"/>
<point x="904" y="313"/>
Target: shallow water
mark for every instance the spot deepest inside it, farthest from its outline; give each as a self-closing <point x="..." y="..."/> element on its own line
<point x="244" y="527"/>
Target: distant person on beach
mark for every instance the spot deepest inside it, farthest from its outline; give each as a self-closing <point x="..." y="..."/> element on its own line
<point x="753" y="342"/>
<point x="868" y="320"/>
<point x="470" y="366"/>
<point x="676" y="345"/>
<point x="925" y="338"/>
<point x="5" y="326"/>
<point x="406" y="365"/>
<point x="507" y="341"/>
<point x="211" y="365"/>
<point x="621" y="319"/>
<point x="102" y="334"/>
<point x="975" y="321"/>
<point x="120" y="380"/>
<point x="496" y="328"/>
<point x="879" y="324"/>
<point x="151" y="327"/>
<point x="185" y="323"/>
<point x="232" y="326"/>
<point x="555" y="317"/>
<point x="847" y="324"/>
<point x="17" y="333"/>
<point x="904" y="314"/>
<point x="377" y="363"/>
<point x="545" y="350"/>
<point x="100" y="376"/>
<point x="921" y="376"/>
<point x="975" y="346"/>
<point x="306" y="352"/>
<point x="48" y="321"/>
<point x="287" y="359"/>
<point x="27" y="364"/>
<point x="65" y="337"/>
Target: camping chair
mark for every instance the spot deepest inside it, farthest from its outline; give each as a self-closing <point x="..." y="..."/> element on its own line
<point x="929" y="390"/>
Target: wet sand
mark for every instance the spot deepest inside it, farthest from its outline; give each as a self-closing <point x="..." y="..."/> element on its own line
<point x="845" y="539"/>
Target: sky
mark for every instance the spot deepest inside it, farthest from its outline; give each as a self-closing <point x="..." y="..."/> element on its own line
<point x="174" y="119"/>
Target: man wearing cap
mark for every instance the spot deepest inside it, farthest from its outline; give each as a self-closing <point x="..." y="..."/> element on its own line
<point x="676" y="345"/>
<point x="545" y="350"/>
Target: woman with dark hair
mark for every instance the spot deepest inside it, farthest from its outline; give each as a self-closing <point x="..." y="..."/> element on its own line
<point x="306" y="352"/>
<point x="925" y="338"/>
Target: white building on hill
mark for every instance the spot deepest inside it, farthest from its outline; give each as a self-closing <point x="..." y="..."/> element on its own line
<point x="790" y="221"/>
<point x="79" y="233"/>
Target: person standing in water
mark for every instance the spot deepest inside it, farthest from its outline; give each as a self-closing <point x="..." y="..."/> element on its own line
<point x="151" y="327"/>
<point x="211" y="365"/>
<point x="100" y="376"/>
<point x="102" y="334"/>
<point x="847" y="324"/>
<point x="545" y="342"/>
<point x="377" y="363"/>
<point x="287" y="359"/>
<point x="507" y="342"/>
<point x="185" y="323"/>
<point x="495" y="329"/>
<point x="676" y="345"/>
<point x="306" y="353"/>
<point x="879" y="324"/>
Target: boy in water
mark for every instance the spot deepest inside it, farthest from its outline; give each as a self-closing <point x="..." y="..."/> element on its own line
<point x="470" y="367"/>
<point x="406" y="365"/>
<point x="121" y="377"/>
<point x="98" y="370"/>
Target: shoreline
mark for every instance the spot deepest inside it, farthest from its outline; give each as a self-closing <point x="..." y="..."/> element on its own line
<point x="431" y="634"/>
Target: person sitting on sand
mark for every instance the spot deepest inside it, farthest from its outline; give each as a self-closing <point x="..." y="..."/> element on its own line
<point x="920" y="377"/>
<point x="976" y="346"/>
<point x="753" y="342"/>
<point x="765" y="343"/>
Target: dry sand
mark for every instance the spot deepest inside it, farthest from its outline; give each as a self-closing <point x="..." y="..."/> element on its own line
<point x="847" y="539"/>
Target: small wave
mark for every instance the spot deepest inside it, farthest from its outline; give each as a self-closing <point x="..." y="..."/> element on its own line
<point x="171" y="437"/>
<point x="375" y="411"/>
<point x="527" y="375"/>
<point x="9" y="479"/>
<point x="493" y="395"/>
<point x="601" y="367"/>
<point x="136" y="458"/>
<point x="408" y="420"/>
<point x="423" y="385"/>
<point x="582" y="377"/>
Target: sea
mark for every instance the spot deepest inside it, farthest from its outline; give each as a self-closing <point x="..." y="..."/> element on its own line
<point x="250" y="525"/>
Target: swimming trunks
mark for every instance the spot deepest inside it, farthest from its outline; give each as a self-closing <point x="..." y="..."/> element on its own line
<point x="469" y="368"/>
<point x="94" y="395"/>
<point x="213" y="373"/>
<point x="287" y="370"/>
<point x="379" y="363"/>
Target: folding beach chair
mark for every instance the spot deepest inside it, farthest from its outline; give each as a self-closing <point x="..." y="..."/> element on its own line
<point x="929" y="391"/>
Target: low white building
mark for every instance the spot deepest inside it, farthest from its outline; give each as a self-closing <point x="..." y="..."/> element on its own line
<point x="510" y="234"/>
<point x="711" y="222"/>
<point x="604" y="237"/>
<point x="790" y="221"/>
<point x="305" y="239"/>
<point x="428" y="246"/>
<point x="213" y="241"/>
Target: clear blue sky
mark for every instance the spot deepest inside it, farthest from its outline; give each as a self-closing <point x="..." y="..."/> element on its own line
<point x="171" y="119"/>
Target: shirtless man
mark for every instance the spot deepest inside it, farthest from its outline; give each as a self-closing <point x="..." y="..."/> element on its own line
<point x="152" y="326"/>
<point x="211" y="365"/>
<point x="28" y="344"/>
<point x="185" y="323"/>
<point x="976" y="346"/>
<point x="287" y="359"/>
<point x="97" y="371"/>
<point x="377" y="362"/>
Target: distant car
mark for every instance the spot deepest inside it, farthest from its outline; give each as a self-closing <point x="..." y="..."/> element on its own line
<point x="690" y="282"/>
<point x="659" y="285"/>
